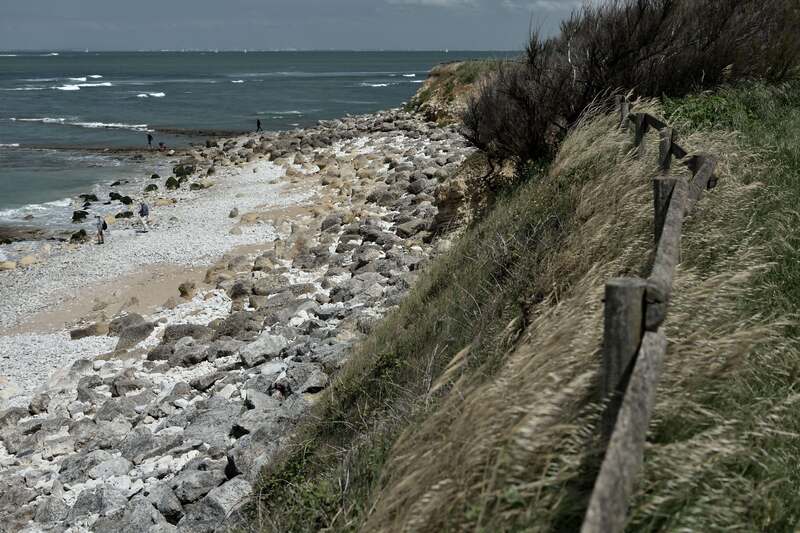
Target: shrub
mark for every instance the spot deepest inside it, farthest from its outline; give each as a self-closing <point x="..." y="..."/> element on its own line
<point x="652" y="47"/>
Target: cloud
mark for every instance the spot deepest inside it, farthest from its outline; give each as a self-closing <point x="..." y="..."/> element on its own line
<point x="435" y="3"/>
<point x="542" y="5"/>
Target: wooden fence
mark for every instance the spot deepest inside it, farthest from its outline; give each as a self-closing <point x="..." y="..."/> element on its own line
<point x="633" y="344"/>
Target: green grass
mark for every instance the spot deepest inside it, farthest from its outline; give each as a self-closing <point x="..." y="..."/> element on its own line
<point x="471" y="71"/>
<point x="471" y="406"/>
<point x="768" y="119"/>
<point x="761" y="483"/>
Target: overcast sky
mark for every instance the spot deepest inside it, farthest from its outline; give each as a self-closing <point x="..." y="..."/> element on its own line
<point x="276" y="24"/>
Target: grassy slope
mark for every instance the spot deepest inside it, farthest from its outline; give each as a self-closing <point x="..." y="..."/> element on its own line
<point x="470" y="407"/>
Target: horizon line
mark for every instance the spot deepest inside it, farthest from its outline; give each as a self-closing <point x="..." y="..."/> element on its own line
<point x="252" y="50"/>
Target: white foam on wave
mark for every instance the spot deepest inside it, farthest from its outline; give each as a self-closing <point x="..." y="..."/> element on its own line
<point x="9" y="145"/>
<point x="8" y="55"/>
<point x="24" y="89"/>
<point x="151" y="95"/>
<point x="291" y="112"/>
<point x="94" y="76"/>
<point x="365" y="84"/>
<point x="51" y="54"/>
<point x="237" y="81"/>
<point x="45" y="120"/>
<point x="417" y="81"/>
<point x="90" y="125"/>
<point x="110" y="125"/>
<point x="409" y="75"/>
<point x="64" y="202"/>
<point x="77" y="79"/>
<point x="77" y="86"/>
<point x="20" y="212"/>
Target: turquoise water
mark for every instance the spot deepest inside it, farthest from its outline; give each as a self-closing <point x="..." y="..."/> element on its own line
<point x="55" y="107"/>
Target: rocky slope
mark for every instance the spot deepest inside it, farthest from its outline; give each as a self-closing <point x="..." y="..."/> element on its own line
<point x="169" y="431"/>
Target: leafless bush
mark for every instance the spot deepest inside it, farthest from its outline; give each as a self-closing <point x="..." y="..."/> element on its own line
<point x="653" y="47"/>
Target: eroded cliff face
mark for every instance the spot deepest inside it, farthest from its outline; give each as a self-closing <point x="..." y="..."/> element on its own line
<point x="446" y="92"/>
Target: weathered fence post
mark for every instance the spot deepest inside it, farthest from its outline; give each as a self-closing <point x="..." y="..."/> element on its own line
<point x="662" y="193"/>
<point x="623" y="330"/>
<point x="624" y="110"/>
<point x="616" y="482"/>
<point x="641" y="129"/>
<point x="665" y="148"/>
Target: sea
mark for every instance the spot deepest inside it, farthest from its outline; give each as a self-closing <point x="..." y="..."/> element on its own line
<point x="69" y="121"/>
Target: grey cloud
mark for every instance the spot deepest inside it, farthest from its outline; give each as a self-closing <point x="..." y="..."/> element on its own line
<point x="436" y="3"/>
<point x="276" y="24"/>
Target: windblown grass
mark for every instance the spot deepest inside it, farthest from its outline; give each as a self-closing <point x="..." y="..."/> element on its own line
<point x="473" y="406"/>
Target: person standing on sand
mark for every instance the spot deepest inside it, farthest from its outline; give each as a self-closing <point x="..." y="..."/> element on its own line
<point x="101" y="225"/>
<point x="144" y="214"/>
<point x="258" y="125"/>
<point x="150" y="141"/>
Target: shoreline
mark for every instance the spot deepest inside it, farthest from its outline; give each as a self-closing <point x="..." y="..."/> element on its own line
<point x="302" y="242"/>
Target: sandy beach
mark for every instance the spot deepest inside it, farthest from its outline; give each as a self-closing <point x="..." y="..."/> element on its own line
<point x="40" y="304"/>
<point x="199" y="345"/>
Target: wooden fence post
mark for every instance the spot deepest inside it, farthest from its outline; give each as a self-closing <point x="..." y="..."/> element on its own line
<point x="641" y="129"/>
<point x="662" y="193"/>
<point x="624" y="111"/>
<point x="665" y="148"/>
<point x="615" y="484"/>
<point x="623" y="330"/>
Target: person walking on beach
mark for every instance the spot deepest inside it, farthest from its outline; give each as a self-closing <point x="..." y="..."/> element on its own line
<point x="101" y="225"/>
<point x="258" y="125"/>
<point x="144" y="214"/>
<point x="150" y="141"/>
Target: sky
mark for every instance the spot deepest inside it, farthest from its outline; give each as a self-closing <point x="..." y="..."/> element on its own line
<point x="276" y="24"/>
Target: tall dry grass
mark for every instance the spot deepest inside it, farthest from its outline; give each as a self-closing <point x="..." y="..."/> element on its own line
<point x="474" y="406"/>
<point x="517" y="450"/>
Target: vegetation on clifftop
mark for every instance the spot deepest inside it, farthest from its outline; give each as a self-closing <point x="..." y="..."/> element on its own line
<point x="473" y="405"/>
<point x="650" y="47"/>
<point x="444" y="95"/>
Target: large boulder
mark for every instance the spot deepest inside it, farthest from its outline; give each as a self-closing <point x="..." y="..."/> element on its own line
<point x="198" y="479"/>
<point x="140" y="444"/>
<point x="172" y="183"/>
<point x="79" y="237"/>
<point x="213" y="422"/>
<point x="183" y="169"/>
<point x="178" y="331"/>
<point x="116" y="326"/>
<point x="79" y="216"/>
<point x="92" y="330"/>
<point x="264" y="347"/>
<point x="163" y="498"/>
<point x="133" y="335"/>
<point x="201" y="184"/>
<point x="103" y="501"/>
<point x="210" y="513"/>
<point x="139" y="516"/>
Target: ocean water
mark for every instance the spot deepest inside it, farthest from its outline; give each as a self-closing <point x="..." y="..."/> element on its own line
<point x="60" y="110"/>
